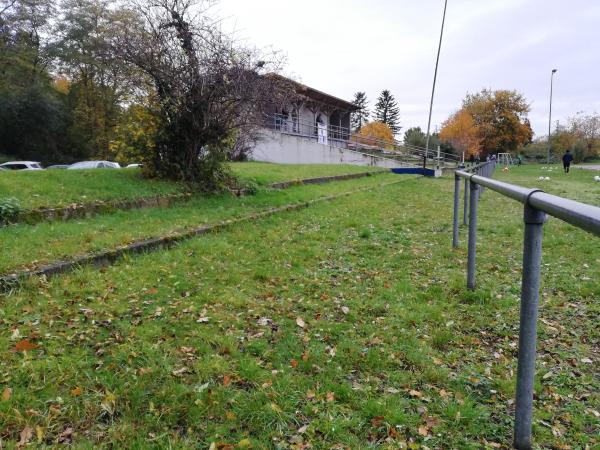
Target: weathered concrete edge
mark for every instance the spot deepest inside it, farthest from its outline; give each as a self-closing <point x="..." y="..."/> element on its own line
<point x="317" y="180"/>
<point x="76" y="211"/>
<point x="106" y="258"/>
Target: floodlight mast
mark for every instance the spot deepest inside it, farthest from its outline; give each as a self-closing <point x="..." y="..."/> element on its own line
<point x="550" y="117"/>
<point x="437" y="60"/>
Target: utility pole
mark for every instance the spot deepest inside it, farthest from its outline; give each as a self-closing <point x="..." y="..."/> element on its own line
<point x="550" y="118"/>
<point x="434" y="80"/>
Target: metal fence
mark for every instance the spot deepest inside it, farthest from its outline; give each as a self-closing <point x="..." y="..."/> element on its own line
<point x="537" y="205"/>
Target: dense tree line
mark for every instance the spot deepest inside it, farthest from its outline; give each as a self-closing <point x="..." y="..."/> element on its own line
<point x="136" y="80"/>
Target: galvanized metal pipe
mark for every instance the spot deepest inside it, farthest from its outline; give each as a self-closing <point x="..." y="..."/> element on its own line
<point x="579" y="214"/>
<point x="530" y="286"/>
<point x="473" y="200"/>
<point x="456" y="206"/>
<point x="466" y="203"/>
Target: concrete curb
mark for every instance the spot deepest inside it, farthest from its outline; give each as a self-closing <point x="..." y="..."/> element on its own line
<point x="10" y="281"/>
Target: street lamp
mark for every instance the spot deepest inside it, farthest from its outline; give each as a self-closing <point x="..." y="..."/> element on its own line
<point x="550" y="117"/>
<point x="433" y="88"/>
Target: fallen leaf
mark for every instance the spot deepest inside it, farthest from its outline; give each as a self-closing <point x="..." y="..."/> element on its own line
<point x="276" y="408"/>
<point x="305" y="356"/>
<point x="300" y="322"/>
<point x="230" y="415"/>
<point x="203" y="320"/>
<point x="377" y="421"/>
<point x="6" y="393"/>
<point x="226" y="380"/>
<point x="330" y="397"/>
<point x="75" y="392"/>
<point x="39" y="432"/>
<point x="244" y="443"/>
<point x="547" y="375"/>
<point x="414" y="393"/>
<point x="310" y="394"/>
<point x="294" y="363"/>
<point x="180" y="372"/>
<point x="423" y="430"/>
<point x="302" y="429"/>
<point x="586" y="361"/>
<point x="66" y="436"/>
<point x="345" y="309"/>
<point x="25" y="346"/>
<point x="26" y="435"/>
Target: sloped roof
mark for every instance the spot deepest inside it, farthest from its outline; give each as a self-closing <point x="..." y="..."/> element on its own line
<point x="318" y="96"/>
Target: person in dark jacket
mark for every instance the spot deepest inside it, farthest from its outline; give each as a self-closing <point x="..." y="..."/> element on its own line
<point x="567" y="158"/>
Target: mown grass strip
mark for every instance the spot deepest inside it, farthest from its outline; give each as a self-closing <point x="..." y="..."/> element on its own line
<point x="86" y="210"/>
<point x="30" y="246"/>
<point x="108" y="257"/>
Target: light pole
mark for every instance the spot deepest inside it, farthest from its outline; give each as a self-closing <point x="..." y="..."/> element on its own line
<point x="434" y="79"/>
<point x="550" y="117"/>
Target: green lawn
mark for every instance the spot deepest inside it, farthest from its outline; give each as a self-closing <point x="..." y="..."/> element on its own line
<point x="64" y="187"/>
<point x="578" y="184"/>
<point x="28" y="246"/>
<point x="344" y="325"/>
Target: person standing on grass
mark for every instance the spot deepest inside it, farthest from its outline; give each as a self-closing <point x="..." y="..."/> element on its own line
<point x="567" y="158"/>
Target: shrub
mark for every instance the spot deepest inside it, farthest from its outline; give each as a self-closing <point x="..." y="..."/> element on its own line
<point x="10" y="208"/>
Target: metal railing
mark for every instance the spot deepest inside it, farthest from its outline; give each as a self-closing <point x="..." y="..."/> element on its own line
<point x="537" y="205"/>
<point x="338" y="136"/>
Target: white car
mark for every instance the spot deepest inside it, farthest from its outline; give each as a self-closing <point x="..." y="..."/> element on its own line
<point x="131" y="166"/>
<point x="94" y="165"/>
<point x="21" y="165"/>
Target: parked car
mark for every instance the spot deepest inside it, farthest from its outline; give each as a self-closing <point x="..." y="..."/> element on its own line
<point x="22" y="165"/>
<point x="95" y="165"/>
<point x="58" y="166"/>
<point x="129" y="166"/>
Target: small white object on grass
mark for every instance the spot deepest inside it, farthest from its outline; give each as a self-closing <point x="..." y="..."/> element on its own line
<point x="596" y="178"/>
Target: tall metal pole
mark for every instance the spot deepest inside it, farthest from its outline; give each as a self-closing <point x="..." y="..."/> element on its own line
<point x="550" y="117"/>
<point x="437" y="60"/>
<point x="530" y="287"/>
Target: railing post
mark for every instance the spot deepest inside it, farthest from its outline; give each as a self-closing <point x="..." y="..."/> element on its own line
<point x="473" y="200"/>
<point x="456" y="206"/>
<point x="530" y="285"/>
<point x="466" y="202"/>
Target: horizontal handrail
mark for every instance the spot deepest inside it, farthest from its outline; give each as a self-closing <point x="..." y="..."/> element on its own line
<point x="578" y="214"/>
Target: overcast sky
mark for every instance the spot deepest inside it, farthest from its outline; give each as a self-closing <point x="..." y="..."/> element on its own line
<point x="344" y="46"/>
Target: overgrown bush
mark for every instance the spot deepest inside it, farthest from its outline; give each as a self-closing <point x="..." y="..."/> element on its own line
<point x="10" y="208"/>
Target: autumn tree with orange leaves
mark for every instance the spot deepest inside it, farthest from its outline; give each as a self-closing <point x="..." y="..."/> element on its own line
<point x="462" y="133"/>
<point x="374" y="132"/>
<point x="489" y="122"/>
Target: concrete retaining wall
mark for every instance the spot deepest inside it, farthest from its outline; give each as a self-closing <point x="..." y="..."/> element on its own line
<point x="281" y="148"/>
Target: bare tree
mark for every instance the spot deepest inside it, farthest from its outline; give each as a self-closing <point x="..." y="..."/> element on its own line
<point x="208" y="87"/>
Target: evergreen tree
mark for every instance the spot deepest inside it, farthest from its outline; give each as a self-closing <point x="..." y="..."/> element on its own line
<point x="361" y="115"/>
<point x="387" y="111"/>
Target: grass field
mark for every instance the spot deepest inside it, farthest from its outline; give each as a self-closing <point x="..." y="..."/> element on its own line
<point x="344" y="325"/>
<point x="64" y="187"/>
<point x="26" y="246"/>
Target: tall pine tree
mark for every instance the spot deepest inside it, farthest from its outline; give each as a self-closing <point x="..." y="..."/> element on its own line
<point x="361" y="115"/>
<point x="387" y="111"/>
